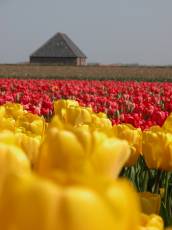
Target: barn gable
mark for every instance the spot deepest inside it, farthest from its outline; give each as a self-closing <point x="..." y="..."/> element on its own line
<point x="59" y="46"/>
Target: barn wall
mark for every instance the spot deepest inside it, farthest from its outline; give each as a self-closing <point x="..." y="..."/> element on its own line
<point x="53" y="60"/>
<point x="81" y="61"/>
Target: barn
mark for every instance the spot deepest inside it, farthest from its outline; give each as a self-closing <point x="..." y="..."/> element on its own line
<point x="59" y="50"/>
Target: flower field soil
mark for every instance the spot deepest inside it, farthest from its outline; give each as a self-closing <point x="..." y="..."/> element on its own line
<point x="139" y="73"/>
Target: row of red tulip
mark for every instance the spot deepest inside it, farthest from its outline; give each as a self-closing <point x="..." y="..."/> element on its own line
<point x="141" y="104"/>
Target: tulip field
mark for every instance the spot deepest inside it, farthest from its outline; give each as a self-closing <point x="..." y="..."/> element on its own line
<point x="142" y="104"/>
<point x="85" y="155"/>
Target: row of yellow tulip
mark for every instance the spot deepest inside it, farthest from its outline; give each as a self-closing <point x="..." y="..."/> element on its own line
<point x="63" y="174"/>
<point x="141" y="143"/>
<point x="14" y="118"/>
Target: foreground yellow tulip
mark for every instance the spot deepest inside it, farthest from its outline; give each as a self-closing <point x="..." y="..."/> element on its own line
<point x="31" y="124"/>
<point x="81" y="150"/>
<point x="157" y="149"/>
<point x="77" y="157"/>
<point x="29" y="202"/>
<point x="14" y="110"/>
<point x="12" y="159"/>
<point x="30" y="145"/>
<point x="7" y="124"/>
<point x="150" y="202"/>
<point x="152" y="222"/>
<point x="2" y="111"/>
<point x="7" y="137"/>
<point x="108" y="155"/>
<point x="9" y="113"/>
<point x="116" y="193"/>
<point x="168" y="124"/>
<point x="133" y="136"/>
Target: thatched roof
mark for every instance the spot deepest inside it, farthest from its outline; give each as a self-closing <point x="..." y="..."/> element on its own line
<point x="60" y="45"/>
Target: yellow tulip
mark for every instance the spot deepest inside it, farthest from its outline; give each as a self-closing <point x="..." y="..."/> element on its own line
<point x="78" y="115"/>
<point x="99" y="122"/>
<point x="14" y="110"/>
<point x="150" y="202"/>
<point x="7" y="123"/>
<point x="38" y="127"/>
<point x="31" y="123"/>
<point x="102" y="115"/>
<point x="2" y="111"/>
<point x="29" y="202"/>
<point x="156" y="128"/>
<point x="133" y="136"/>
<point x="112" y="204"/>
<point x="78" y="150"/>
<point x="15" y="118"/>
<point x="157" y="150"/>
<point x="7" y="137"/>
<point x="162" y="192"/>
<point x="122" y="196"/>
<point x="60" y="150"/>
<point x="151" y="222"/>
<point x="168" y="124"/>
<point x="70" y="112"/>
<point x="60" y="106"/>
<point x="86" y="209"/>
<point x="30" y="145"/>
<point x="57" y="122"/>
<point x="108" y="155"/>
<point x="12" y="159"/>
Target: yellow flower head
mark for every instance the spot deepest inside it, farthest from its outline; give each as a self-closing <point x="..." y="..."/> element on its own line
<point x="60" y="106"/>
<point x="12" y="160"/>
<point x="150" y="202"/>
<point x="32" y="124"/>
<point x="36" y="203"/>
<point x="157" y="149"/>
<point x="80" y="150"/>
<point x="133" y="136"/>
<point x="168" y="124"/>
<point x="151" y="222"/>
<point x="13" y="110"/>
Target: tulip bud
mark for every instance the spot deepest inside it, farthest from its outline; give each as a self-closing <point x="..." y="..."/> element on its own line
<point x="150" y="202"/>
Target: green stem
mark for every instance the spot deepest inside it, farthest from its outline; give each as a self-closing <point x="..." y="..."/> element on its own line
<point x="145" y="183"/>
<point x="157" y="181"/>
<point x="166" y="188"/>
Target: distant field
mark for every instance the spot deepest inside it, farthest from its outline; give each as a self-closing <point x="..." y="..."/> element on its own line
<point x="87" y="72"/>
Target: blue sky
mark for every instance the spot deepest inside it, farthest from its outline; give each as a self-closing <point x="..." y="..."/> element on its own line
<point x="108" y="31"/>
